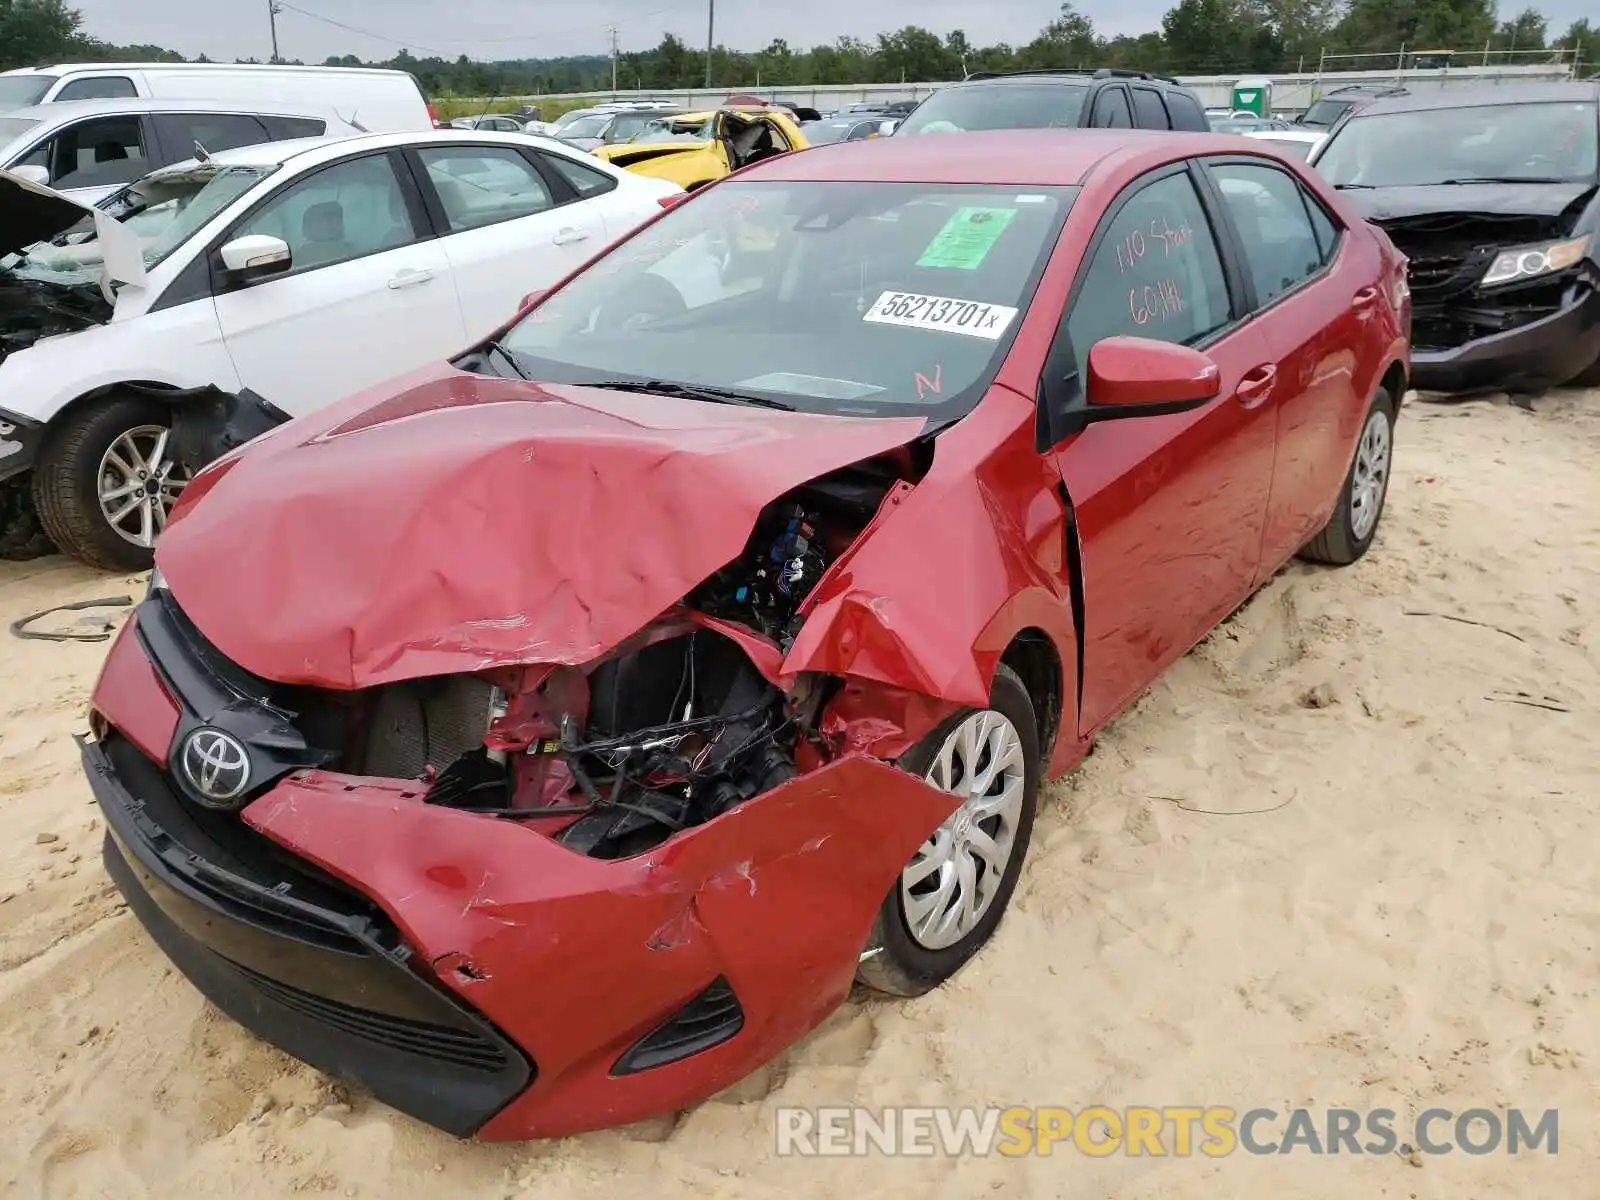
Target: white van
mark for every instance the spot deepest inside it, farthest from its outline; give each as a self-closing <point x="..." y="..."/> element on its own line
<point x="380" y="100"/>
<point x="87" y="149"/>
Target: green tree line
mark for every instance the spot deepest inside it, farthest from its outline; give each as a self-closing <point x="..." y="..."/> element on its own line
<point x="1195" y="37"/>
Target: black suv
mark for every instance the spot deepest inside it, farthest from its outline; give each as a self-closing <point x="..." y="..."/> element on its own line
<point x="1104" y="99"/>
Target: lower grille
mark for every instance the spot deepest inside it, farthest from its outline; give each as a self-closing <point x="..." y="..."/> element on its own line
<point x="708" y="1020"/>
<point x="457" y="1047"/>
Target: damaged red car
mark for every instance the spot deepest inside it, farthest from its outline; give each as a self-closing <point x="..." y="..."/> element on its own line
<point x="546" y="739"/>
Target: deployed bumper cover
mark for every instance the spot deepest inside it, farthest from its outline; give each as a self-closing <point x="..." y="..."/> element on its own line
<point x="435" y="956"/>
<point x="1543" y="353"/>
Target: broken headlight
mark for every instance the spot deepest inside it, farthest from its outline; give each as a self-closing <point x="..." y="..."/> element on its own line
<point x="1529" y="262"/>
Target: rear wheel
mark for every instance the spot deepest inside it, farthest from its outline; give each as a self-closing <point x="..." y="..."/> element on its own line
<point x="950" y="897"/>
<point x="1354" y="523"/>
<point x="105" y="483"/>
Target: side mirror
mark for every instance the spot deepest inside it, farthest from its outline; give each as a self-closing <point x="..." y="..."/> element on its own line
<point x="33" y="174"/>
<point x="1134" y="376"/>
<point x="256" y="256"/>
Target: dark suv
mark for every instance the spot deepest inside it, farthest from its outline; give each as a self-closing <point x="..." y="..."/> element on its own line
<point x="1103" y="99"/>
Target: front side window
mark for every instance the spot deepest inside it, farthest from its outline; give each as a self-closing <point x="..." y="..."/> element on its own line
<point x="975" y="107"/>
<point x="1269" y="211"/>
<point x="1111" y="110"/>
<point x="1156" y="273"/>
<point x="343" y="212"/>
<point x="98" y="87"/>
<point x="1512" y="143"/>
<point x="864" y="298"/>
<point x="484" y="185"/>
<point x="100" y="153"/>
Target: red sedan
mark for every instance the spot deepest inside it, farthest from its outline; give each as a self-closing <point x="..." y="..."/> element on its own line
<point x="546" y="739"/>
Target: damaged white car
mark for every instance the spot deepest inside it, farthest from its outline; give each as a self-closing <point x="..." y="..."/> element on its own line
<point x="212" y="299"/>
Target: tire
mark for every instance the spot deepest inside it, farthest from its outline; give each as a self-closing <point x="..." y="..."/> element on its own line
<point x="67" y="482"/>
<point x="902" y="963"/>
<point x="1347" y="535"/>
<point x="1587" y="378"/>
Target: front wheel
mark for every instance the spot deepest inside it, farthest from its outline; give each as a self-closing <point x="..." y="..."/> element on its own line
<point x="951" y="895"/>
<point x="105" y="484"/>
<point x="1354" y="523"/>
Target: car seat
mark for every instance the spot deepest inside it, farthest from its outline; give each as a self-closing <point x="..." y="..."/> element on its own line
<point x="322" y="236"/>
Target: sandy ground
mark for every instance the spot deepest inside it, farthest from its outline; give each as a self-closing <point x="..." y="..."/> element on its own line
<point x="1412" y="924"/>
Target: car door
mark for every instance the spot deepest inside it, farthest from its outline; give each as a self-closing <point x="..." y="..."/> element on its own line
<point x="1168" y="509"/>
<point x="367" y="296"/>
<point x="1111" y="109"/>
<point x="1148" y="110"/>
<point x="1309" y="301"/>
<point x="509" y="228"/>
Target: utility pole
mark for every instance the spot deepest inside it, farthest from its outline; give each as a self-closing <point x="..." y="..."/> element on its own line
<point x="272" y="16"/>
<point x="711" y="32"/>
<point x="612" y="29"/>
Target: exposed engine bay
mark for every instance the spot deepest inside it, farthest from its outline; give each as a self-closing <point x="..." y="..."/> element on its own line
<point x="677" y="727"/>
<point x="30" y="310"/>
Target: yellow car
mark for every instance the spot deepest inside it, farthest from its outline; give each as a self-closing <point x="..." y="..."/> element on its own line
<point x="694" y="149"/>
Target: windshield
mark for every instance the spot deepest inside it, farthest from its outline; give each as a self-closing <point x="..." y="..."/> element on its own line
<point x="820" y="133"/>
<point x="22" y="91"/>
<point x="577" y="114"/>
<point x="1324" y="113"/>
<point x="163" y="211"/>
<point x="627" y="125"/>
<point x="1002" y="106"/>
<point x="859" y="298"/>
<point x="1535" y="143"/>
<point x="678" y="129"/>
<point x="586" y="127"/>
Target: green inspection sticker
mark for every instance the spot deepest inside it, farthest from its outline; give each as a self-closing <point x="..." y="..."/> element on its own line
<point x="967" y="238"/>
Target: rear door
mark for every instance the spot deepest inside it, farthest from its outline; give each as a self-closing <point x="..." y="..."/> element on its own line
<point x="1312" y="291"/>
<point x="1111" y="110"/>
<point x="1148" y="110"/>
<point x="509" y="227"/>
<point x="368" y="295"/>
<point x="1169" y="509"/>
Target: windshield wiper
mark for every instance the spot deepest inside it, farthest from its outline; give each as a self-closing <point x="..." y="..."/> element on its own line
<point x="1355" y="187"/>
<point x="508" y="358"/>
<point x="688" y="391"/>
<point x="1504" y="179"/>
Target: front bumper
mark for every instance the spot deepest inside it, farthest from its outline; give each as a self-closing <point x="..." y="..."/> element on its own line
<point x="19" y="443"/>
<point x="434" y="956"/>
<point x="1541" y="354"/>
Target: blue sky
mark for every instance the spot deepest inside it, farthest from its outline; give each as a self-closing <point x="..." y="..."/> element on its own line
<point x="497" y="29"/>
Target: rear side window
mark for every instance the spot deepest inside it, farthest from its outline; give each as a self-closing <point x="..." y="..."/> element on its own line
<point x="1147" y="106"/>
<point x="98" y="87"/>
<point x="282" y="129"/>
<point x="1111" y="110"/>
<point x="1186" y="112"/>
<point x="1156" y="272"/>
<point x="484" y="185"/>
<point x="586" y="181"/>
<point x="181" y="132"/>
<point x="1268" y="208"/>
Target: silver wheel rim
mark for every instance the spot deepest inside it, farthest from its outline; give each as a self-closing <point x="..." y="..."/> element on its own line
<point x="138" y="484"/>
<point x="1370" y="477"/>
<point x="951" y="883"/>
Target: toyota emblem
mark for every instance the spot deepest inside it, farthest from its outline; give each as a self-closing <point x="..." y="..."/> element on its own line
<point x="216" y="765"/>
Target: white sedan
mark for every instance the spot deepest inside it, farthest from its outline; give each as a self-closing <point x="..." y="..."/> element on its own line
<point x="300" y="271"/>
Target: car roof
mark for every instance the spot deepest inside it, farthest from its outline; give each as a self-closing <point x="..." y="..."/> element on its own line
<point x="58" y="68"/>
<point x="1483" y="95"/>
<point x="65" y="110"/>
<point x="1037" y="157"/>
<point x="271" y="154"/>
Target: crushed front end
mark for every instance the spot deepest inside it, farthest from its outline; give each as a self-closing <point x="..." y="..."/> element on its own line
<point x="1499" y="301"/>
<point x="529" y="899"/>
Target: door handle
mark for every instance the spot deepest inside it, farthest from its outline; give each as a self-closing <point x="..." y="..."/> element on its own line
<point x="569" y="234"/>
<point x="409" y="278"/>
<point x="1256" y="386"/>
<point x="1363" y="299"/>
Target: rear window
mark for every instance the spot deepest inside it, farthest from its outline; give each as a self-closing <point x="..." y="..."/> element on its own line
<point x="20" y="91"/>
<point x="1324" y="113"/>
<point x="998" y="106"/>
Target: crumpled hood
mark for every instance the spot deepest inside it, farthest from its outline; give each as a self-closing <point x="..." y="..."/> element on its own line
<point x="628" y="153"/>
<point x="1490" y="199"/>
<point x="462" y="522"/>
<point x="31" y="212"/>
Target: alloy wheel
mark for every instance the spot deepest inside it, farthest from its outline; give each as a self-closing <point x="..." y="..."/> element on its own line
<point x="139" y="483"/>
<point x="1370" y="477"/>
